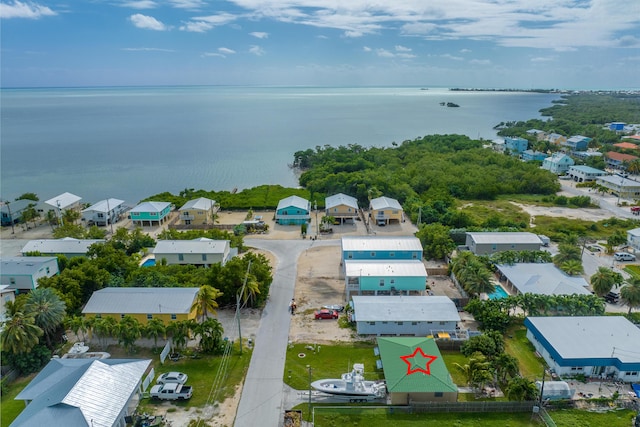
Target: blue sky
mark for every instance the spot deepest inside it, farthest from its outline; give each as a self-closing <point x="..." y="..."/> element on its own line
<point x="567" y="44"/>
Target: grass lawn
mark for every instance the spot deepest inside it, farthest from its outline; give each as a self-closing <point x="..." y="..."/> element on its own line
<point x="573" y="417"/>
<point x="517" y="345"/>
<point x="451" y="357"/>
<point x="11" y="408"/>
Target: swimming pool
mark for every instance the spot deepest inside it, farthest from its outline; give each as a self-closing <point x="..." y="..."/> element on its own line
<point x="149" y="262"/>
<point x="499" y="293"/>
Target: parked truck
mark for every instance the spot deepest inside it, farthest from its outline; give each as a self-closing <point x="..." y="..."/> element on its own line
<point x="171" y="391"/>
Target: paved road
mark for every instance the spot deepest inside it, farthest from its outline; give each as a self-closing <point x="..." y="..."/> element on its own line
<point x="263" y="393"/>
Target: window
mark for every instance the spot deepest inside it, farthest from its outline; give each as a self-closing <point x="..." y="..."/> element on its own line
<point x="12" y="280"/>
<point x="153" y="213"/>
<point x="577" y="368"/>
<point x="174" y="317"/>
<point x="392" y="254"/>
<point x="632" y="373"/>
<point x="414" y="256"/>
<point x="98" y="316"/>
<point x="414" y="323"/>
<point x="350" y="255"/>
<point x="381" y="282"/>
<point x="393" y="281"/>
<point x="122" y="316"/>
<point x="385" y="323"/>
<point x="400" y="323"/>
<point x="180" y="257"/>
<point x="373" y="254"/>
<point x="48" y="270"/>
<point x="438" y="394"/>
<point x="149" y="316"/>
<point x="100" y="215"/>
<point x="204" y="257"/>
<point x="442" y="323"/>
<point x="372" y="323"/>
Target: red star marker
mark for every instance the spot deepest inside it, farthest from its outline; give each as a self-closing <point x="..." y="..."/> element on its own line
<point x="415" y="363"/>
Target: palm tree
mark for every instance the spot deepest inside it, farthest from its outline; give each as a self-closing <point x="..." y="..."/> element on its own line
<point x="179" y="331"/>
<point x="20" y="333"/>
<point x="521" y="389"/>
<point x="77" y="324"/>
<point x="475" y="278"/>
<point x="205" y="301"/>
<point x="604" y="280"/>
<point x="251" y="289"/>
<point x="567" y="252"/>
<point x="48" y="310"/>
<point x="505" y="366"/>
<point x="476" y="372"/>
<point x="104" y="328"/>
<point x="572" y="267"/>
<point x="210" y="332"/>
<point x="155" y="328"/>
<point x="630" y="294"/>
<point x="128" y="331"/>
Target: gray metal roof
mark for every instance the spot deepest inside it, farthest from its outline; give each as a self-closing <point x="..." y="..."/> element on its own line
<point x="372" y="243"/>
<point x="151" y="207"/>
<point x="619" y="181"/>
<point x="68" y="245"/>
<point x="589" y="337"/>
<point x="404" y="309"/>
<point x="340" y="199"/>
<point x="196" y="246"/>
<point x="23" y="265"/>
<point x="104" y="206"/>
<point x="201" y="203"/>
<point x="80" y="392"/>
<point x="141" y="300"/>
<point x="294" y="201"/>
<point x="63" y="200"/>
<point x="586" y="169"/>
<point x="543" y="278"/>
<point x="384" y="203"/>
<point x="504" y="237"/>
<point x="634" y="232"/>
<point x="383" y="268"/>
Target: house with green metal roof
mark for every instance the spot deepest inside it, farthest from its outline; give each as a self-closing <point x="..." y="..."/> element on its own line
<point x="415" y="371"/>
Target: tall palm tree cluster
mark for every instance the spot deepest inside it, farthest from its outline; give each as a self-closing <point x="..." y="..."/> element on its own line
<point x="472" y="274"/>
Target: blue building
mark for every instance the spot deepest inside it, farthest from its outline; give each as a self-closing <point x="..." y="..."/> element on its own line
<point x="293" y="210"/>
<point x="381" y="248"/>
<point x="531" y="155"/>
<point x="11" y="213"/>
<point x="385" y="277"/>
<point x="577" y="143"/>
<point x="515" y="145"/>
<point x="617" y="126"/>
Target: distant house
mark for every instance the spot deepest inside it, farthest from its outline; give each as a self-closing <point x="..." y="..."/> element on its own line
<point x="384" y="210"/>
<point x="23" y="273"/>
<point x="556" y="138"/>
<point x="60" y="203"/>
<point x="403" y="316"/>
<point x="150" y="213"/>
<point x="484" y="243"/>
<point x="617" y="126"/>
<point x="593" y="346"/>
<point x="539" y="134"/>
<point x="584" y="155"/>
<point x="380" y="248"/>
<point x="585" y="173"/>
<point x="144" y="304"/>
<point x="198" y="211"/>
<point x="104" y="212"/>
<point x="67" y="246"/>
<point x="633" y="238"/>
<point x="558" y="163"/>
<point x="542" y="279"/>
<point x="577" y="143"/>
<point x="6" y="295"/>
<point x="532" y="155"/>
<point x="617" y="160"/>
<point x="385" y="277"/>
<point x="11" y="213"/>
<point x="415" y="371"/>
<point x="293" y="210"/>
<point x="341" y="207"/>
<point x="83" y="393"/>
<point x="626" y="146"/>
<point x="623" y="187"/>
<point x="201" y="252"/>
<point x="515" y="144"/>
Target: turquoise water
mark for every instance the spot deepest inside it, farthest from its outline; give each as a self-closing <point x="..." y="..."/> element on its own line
<point x="499" y="293"/>
<point x="149" y="263"/>
<point x="131" y="143"/>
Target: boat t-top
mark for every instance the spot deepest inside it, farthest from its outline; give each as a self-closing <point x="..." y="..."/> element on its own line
<point x="352" y="384"/>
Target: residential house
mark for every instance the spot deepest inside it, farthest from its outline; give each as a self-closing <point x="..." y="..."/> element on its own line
<point x="542" y="279"/>
<point x="626" y="146"/>
<point x="11" y="213"/>
<point x="403" y="316"/>
<point x="293" y="210"/>
<point x="485" y="243"/>
<point x="556" y="138"/>
<point x="617" y="160"/>
<point x="633" y="238"/>
<point x="585" y="173"/>
<point x="7" y="294"/>
<point x="60" y="203"/>
<point x="515" y="144"/>
<point x="577" y="143"/>
<point x="150" y="213"/>
<point x="539" y="134"/>
<point x="22" y="273"/>
<point x="617" y="126"/>
<point x="532" y="155"/>
<point x="414" y="371"/>
<point x="104" y="212"/>
<point x="198" y="211"/>
<point x="584" y="155"/>
<point x="593" y="346"/>
<point x="384" y="277"/>
<point x="380" y="248"/>
<point x="341" y="207"/>
<point x="200" y="252"/>
<point x="384" y="210"/>
<point x="67" y="246"/>
<point x="623" y="187"/>
<point x="144" y="304"/>
<point x="83" y="393"/>
<point x="558" y="163"/>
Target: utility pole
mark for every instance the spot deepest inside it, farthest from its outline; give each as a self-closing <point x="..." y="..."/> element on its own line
<point x="238" y="304"/>
<point x="544" y="372"/>
<point x="309" y="368"/>
<point x="10" y="216"/>
<point x="60" y="213"/>
<point x="317" y="224"/>
<point x="109" y="218"/>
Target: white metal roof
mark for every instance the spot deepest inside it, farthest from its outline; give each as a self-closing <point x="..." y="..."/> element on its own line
<point x="22" y="265"/>
<point x="372" y="243"/>
<point x="619" y="181"/>
<point x="543" y="278"/>
<point x="587" y="337"/>
<point x="384" y="203"/>
<point x="634" y="232"/>
<point x="201" y="203"/>
<point x="151" y="207"/>
<point x="504" y="237"/>
<point x="404" y="308"/>
<point x="104" y="206"/>
<point x="385" y="268"/>
<point x="141" y="300"/>
<point x="340" y="199"/>
<point x="68" y="245"/>
<point x="586" y="169"/>
<point x="63" y="200"/>
<point x="197" y="246"/>
<point x="294" y="201"/>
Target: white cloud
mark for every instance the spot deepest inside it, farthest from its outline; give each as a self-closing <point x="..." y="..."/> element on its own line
<point x="400" y="48"/>
<point x="201" y="24"/>
<point x="385" y="53"/>
<point x="18" y="9"/>
<point x="196" y="26"/>
<point x="147" y="22"/>
<point x="542" y="59"/>
<point x="209" y="54"/>
<point x="452" y="57"/>
<point x="480" y="62"/>
<point x="226" y="50"/>
<point x="187" y="4"/>
<point x="465" y="50"/>
<point x="256" y="50"/>
<point x="405" y="55"/>
<point x="140" y="4"/>
<point x="366" y="49"/>
<point x="259" y="34"/>
<point x="323" y="37"/>
<point x="146" y="49"/>
<point x="353" y="34"/>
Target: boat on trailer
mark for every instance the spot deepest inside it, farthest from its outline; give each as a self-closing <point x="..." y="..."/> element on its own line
<point x="352" y="385"/>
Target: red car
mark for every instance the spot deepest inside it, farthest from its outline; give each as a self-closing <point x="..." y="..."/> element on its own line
<point x="326" y="314"/>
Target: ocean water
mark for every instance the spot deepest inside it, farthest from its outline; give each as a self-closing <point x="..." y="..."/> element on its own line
<point x="130" y="143"/>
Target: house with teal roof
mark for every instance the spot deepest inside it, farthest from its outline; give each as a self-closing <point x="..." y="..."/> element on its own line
<point x="414" y="371"/>
<point x="293" y="210"/>
<point x="150" y="213"/>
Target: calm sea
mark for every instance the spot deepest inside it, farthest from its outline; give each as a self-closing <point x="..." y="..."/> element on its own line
<point x="130" y="143"/>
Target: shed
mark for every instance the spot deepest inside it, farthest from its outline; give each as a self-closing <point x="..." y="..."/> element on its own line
<point x="555" y="390"/>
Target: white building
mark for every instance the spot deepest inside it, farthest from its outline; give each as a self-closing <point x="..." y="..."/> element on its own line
<point x="104" y="212"/>
<point x="633" y="238"/>
<point x="585" y="173"/>
<point x="200" y="251"/>
<point x="483" y="243"/>
<point x="23" y="273"/>
<point x="68" y="246"/>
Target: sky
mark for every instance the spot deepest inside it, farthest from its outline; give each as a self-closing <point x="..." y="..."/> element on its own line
<point x="523" y="44"/>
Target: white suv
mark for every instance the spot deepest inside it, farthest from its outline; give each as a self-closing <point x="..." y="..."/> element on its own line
<point x="624" y="256"/>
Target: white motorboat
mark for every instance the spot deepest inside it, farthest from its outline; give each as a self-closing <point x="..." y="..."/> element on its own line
<point x="351" y="384"/>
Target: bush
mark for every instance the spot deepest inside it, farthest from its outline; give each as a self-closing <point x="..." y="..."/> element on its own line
<point x="30" y="362"/>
